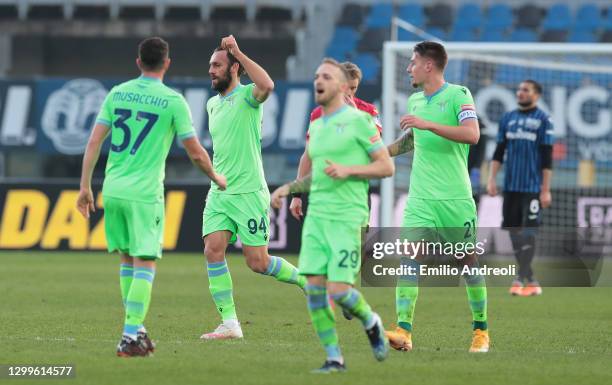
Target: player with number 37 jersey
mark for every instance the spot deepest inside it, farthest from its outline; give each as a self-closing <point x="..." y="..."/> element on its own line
<point x="136" y="163"/>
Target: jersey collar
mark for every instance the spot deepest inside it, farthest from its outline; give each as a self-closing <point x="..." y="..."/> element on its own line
<point x="439" y="90"/>
<point x="239" y="85"/>
<point x="149" y="78"/>
<point x="339" y="110"/>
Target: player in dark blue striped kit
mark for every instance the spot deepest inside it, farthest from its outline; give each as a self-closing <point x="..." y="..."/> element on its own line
<point x="525" y="137"/>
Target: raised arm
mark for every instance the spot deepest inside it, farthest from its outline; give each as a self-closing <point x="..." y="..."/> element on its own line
<point x="264" y="85"/>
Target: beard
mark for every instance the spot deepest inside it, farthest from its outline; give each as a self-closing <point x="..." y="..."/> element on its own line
<point x="526" y="103"/>
<point x="223" y="83"/>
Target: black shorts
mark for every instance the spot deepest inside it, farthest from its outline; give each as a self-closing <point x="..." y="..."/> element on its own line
<point x="521" y="209"/>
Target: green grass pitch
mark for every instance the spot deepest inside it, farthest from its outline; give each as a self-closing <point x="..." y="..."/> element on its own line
<point x="60" y="308"/>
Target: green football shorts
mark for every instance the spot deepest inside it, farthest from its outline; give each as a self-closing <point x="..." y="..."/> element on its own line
<point x="330" y="248"/>
<point x="134" y="228"/>
<point x="241" y="214"/>
<point x="452" y="220"/>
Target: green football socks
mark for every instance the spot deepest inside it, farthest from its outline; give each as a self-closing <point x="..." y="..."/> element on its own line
<point x="406" y="294"/>
<point x="353" y="301"/>
<point x="284" y="271"/>
<point x="138" y="300"/>
<point x="323" y="321"/>
<point x="221" y="289"/>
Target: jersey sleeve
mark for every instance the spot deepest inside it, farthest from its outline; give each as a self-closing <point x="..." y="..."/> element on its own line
<point x="501" y="130"/>
<point x="546" y="132"/>
<point x="376" y="117"/>
<point x="105" y="115"/>
<point x="248" y="96"/>
<point x="463" y="105"/>
<point x="367" y="134"/>
<point x="182" y="121"/>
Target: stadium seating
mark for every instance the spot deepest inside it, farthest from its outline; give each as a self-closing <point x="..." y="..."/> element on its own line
<point x="471" y="21"/>
<point x="469" y="17"/>
<point x="529" y="16"/>
<point x="557" y="18"/>
<point x="380" y="16"/>
<point x="412" y="13"/>
<point x="588" y="18"/>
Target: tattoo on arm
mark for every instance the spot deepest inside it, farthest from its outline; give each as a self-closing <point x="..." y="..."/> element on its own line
<point x="402" y="145"/>
<point x="301" y="185"/>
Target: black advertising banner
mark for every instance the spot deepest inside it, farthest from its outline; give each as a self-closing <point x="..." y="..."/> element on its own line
<point x="43" y="216"/>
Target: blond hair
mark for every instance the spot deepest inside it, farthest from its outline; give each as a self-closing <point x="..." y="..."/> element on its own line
<point x="353" y="70"/>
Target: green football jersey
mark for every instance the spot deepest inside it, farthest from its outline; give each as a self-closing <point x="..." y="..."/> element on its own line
<point x="346" y="137"/>
<point x="144" y="115"/>
<point x="234" y="121"/>
<point x="439" y="166"/>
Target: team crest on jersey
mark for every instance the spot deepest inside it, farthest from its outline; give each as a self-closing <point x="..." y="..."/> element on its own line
<point x="340" y="128"/>
<point x="230" y="100"/>
<point x="70" y="112"/>
<point x="442" y="106"/>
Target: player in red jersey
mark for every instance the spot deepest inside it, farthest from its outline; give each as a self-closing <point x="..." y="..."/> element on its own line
<point x="305" y="165"/>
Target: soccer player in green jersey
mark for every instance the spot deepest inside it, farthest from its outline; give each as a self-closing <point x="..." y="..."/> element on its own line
<point x="142" y="116"/>
<point x="443" y="124"/>
<point x="235" y="116"/>
<point x="344" y="150"/>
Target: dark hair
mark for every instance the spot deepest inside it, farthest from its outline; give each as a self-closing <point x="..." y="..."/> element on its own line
<point x="232" y="59"/>
<point x="537" y="87"/>
<point x="353" y="70"/>
<point x="434" y="51"/>
<point x="337" y="64"/>
<point x="152" y="52"/>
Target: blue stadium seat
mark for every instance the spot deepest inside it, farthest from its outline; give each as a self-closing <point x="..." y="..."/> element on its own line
<point x="588" y="18"/>
<point x="469" y="16"/>
<point x="557" y="18"/>
<point x="343" y="43"/>
<point x="493" y="34"/>
<point x="437" y="32"/>
<point x="582" y="36"/>
<point x="463" y="34"/>
<point x="499" y="15"/>
<point x="607" y="21"/>
<point x="523" y="35"/>
<point x="345" y="35"/>
<point x="340" y="53"/>
<point x="380" y="16"/>
<point x="370" y="66"/>
<point x="412" y="13"/>
<point x="403" y="35"/>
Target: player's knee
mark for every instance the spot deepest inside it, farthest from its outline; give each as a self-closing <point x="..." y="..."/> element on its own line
<point x="257" y="263"/>
<point x="214" y="252"/>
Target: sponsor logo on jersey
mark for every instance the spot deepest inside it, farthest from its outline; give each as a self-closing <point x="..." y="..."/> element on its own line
<point x="70" y="112"/>
<point x="374" y="138"/>
<point x="520" y="134"/>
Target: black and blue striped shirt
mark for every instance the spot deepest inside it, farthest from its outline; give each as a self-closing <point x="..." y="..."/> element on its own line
<point x="523" y="132"/>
